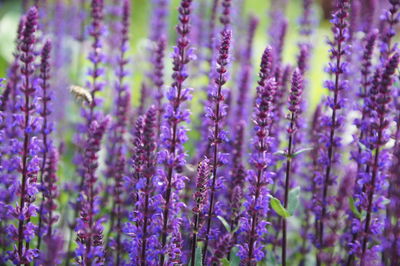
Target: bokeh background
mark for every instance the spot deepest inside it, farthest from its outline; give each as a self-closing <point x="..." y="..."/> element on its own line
<point x="11" y="11"/>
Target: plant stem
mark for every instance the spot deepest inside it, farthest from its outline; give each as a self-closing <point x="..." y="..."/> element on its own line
<point x="194" y="239"/>
<point x="215" y="165"/>
<point x="371" y="193"/>
<point x="254" y="216"/>
<point x="287" y="181"/>
<point x="176" y="104"/>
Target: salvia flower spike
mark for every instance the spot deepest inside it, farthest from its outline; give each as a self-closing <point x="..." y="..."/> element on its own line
<point x="335" y="102"/>
<point x="174" y="134"/>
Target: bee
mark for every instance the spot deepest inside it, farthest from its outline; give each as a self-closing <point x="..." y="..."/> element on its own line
<point x="81" y="94"/>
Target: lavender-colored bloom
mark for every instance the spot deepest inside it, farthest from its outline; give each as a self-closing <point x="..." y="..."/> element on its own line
<point x="237" y="176"/>
<point x="158" y="78"/>
<point x="47" y="128"/>
<point x="91" y="113"/>
<point x="294" y="112"/>
<point x="96" y="57"/>
<point x="252" y="223"/>
<point x="10" y="106"/>
<point x="216" y="112"/>
<point x="310" y="185"/>
<point x="200" y="197"/>
<point x="332" y="124"/>
<point x="379" y="136"/>
<point x="369" y="10"/>
<point x="392" y="223"/>
<point x="303" y="58"/>
<point x="354" y="18"/>
<point x="29" y="149"/>
<point x="158" y="35"/>
<point x="211" y="35"/>
<point x="116" y="148"/>
<point x="53" y="254"/>
<point x="222" y="247"/>
<point x="371" y="179"/>
<point x="306" y="19"/>
<point x="50" y="192"/>
<point x="89" y="226"/>
<point x="52" y="240"/>
<point x="173" y="134"/>
<point x="341" y="204"/>
<point x="146" y="222"/>
<point x="277" y="35"/>
<point x="159" y="19"/>
<point x="391" y="19"/>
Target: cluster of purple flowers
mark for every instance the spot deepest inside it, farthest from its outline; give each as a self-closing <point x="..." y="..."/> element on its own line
<point x="312" y="187"/>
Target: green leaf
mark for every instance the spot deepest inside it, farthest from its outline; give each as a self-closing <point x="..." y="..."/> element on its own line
<point x="225" y="262"/>
<point x="293" y="200"/>
<point x="385" y="201"/>
<point x="225" y="223"/>
<point x="278" y="208"/>
<point x="271" y="260"/>
<point x="235" y="260"/>
<point x="235" y="230"/>
<point x="282" y="153"/>
<point x="354" y="209"/>
<point x="363" y="147"/>
<point x="199" y="256"/>
<point x="300" y="151"/>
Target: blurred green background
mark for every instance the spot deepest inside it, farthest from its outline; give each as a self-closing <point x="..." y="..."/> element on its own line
<point x="11" y="10"/>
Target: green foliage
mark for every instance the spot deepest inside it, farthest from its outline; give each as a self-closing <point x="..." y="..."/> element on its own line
<point x="235" y="260"/>
<point x="354" y="209"/>
<point x="278" y="207"/>
<point x="293" y="200"/>
<point x="225" y="223"/>
<point x="225" y="262"/>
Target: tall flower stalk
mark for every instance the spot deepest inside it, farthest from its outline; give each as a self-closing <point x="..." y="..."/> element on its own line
<point x="146" y="217"/>
<point x="173" y="134"/>
<point x="216" y="113"/>
<point x="89" y="226"/>
<point x="29" y="168"/>
<point x="380" y="104"/>
<point x="46" y="126"/>
<point x="253" y="224"/>
<point x="96" y="57"/>
<point x="337" y="68"/>
<point x="391" y="19"/>
<point x="200" y="197"/>
<point x="294" y="111"/>
<point x="117" y="149"/>
<point x="363" y="122"/>
<point x="90" y="113"/>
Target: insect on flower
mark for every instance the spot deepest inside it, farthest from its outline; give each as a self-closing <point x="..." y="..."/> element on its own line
<point x="81" y="94"/>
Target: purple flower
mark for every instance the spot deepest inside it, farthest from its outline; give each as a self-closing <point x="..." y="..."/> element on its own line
<point x="380" y="99"/>
<point x="216" y="113"/>
<point x="146" y="222"/>
<point x="89" y="225"/>
<point x="391" y="19"/>
<point x="173" y="134"/>
<point x="294" y="111"/>
<point x="252" y="223"/>
<point x="329" y="155"/>
<point x="96" y="57"/>
<point x="117" y="146"/>
<point x="29" y="150"/>
<point x="200" y="198"/>
<point x="45" y="111"/>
